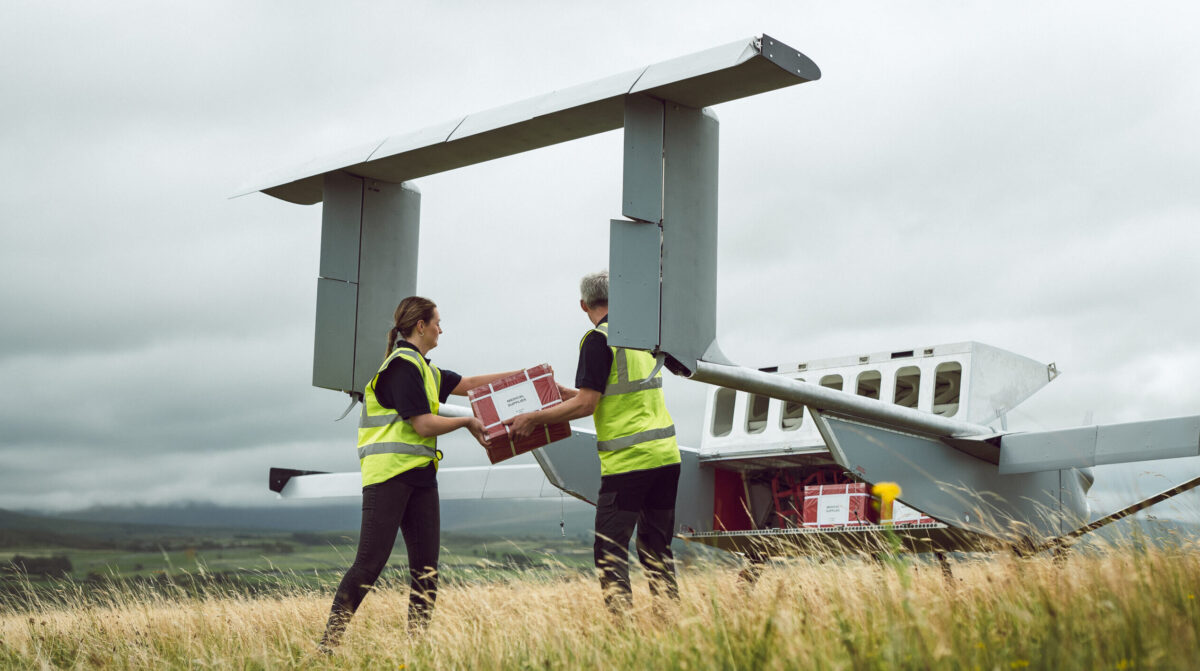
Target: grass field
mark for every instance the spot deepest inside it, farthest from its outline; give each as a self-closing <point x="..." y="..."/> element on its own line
<point x="1125" y="609"/>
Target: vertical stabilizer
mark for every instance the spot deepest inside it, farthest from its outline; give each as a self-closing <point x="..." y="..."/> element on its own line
<point x="1001" y="380"/>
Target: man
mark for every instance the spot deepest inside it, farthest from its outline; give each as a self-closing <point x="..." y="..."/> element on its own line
<point x="639" y="458"/>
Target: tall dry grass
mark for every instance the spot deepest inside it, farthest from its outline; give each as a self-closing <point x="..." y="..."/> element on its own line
<point x="1125" y="609"/>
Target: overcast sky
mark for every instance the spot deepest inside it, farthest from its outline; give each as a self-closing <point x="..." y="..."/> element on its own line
<point x="1012" y="173"/>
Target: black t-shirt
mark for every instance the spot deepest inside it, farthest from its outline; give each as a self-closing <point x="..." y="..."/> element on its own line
<point x="595" y="361"/>
<point x="401" y="388"/>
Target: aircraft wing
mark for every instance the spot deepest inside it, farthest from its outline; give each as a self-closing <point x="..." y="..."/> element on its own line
<point x="501" y="481"/>
<point x="498" y="481"/>
<point x="1085" y="446"/>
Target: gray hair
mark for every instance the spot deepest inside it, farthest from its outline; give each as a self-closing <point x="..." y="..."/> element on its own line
<point x="593" y="289"/>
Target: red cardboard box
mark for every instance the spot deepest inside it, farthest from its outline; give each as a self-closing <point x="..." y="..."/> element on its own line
<point x="837" y="506"/>
<point x="531" y="389"/>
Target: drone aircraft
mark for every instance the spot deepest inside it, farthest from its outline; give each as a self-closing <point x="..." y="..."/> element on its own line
<point x="925" y="418"/>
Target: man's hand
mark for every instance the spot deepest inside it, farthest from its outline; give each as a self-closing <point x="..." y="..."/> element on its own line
<point x="567" y="393"/>
<point x="521" y="425"/>
<point x="476" y="428"/>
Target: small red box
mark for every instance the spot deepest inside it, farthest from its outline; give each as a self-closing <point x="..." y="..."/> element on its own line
<point x="837" y="506"/>
<point x="531" y="389"/>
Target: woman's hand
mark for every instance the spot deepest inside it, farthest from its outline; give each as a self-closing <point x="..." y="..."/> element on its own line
<point x="476" y="428"/>
<point x="521" y="425"/>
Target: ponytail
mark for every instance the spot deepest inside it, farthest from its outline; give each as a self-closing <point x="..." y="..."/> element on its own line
<point x="391" y="341"/>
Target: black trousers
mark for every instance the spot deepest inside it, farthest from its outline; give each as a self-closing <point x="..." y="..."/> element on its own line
<point x="387" y="507"/>
<point x="645" y="499"/>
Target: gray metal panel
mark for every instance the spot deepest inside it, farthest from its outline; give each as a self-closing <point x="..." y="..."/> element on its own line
<point x="1099" y="445"/>
<point x="341" y="218"/>
<point x="953" y="487"/>
<point x="717" y="75"/>
<point x="694" y="502"/>
<point x="633" y="299"/>
<point x="1048" y="450"/>
<point x="642" y="183"/>
<point x="333" y="343"/>
<point x="387" y="268"/>
<point x="688" y="324"/>
<point x="573" y="465"/>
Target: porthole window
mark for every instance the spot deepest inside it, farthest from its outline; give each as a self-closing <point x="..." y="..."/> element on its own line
<point x="908" y="386"/>
<point x="722" y="422"/>
<point x="793" y="414"/>
<point x="832" y="382"/>
<point x="869" y="382"/>
<point x="947" y="388"/>
<point x="756" y="413"/>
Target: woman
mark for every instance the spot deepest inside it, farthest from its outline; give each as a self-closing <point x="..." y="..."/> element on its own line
<point x="397" y="448"/>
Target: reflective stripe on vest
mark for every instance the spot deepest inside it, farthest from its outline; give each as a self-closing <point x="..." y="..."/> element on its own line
<point x="634" y="431"/>
<point x="623" y="384"/>
<point x="387" y="444"/>
<point x="631" y="440"/>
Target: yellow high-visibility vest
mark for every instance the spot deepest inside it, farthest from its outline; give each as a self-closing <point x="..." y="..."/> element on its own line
<point x="388" y="445"/>
<point x="634" y="431"/>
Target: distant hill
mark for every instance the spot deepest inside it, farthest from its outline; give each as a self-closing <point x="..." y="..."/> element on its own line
<point x="20" y="530"/>
<point x="324" y="517"/>
<point x="95" y="529"/>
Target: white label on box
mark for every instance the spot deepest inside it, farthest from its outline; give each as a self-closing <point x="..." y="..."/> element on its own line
<point x="517" y="399"/>
<point x="833" y="509"/>
<point x="902" y="513"/>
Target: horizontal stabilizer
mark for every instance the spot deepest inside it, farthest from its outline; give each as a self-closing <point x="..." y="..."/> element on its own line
<point x="279" y="477"/>
<point x="577" y="467"/>
<point x="1099" y="445"/>
<point x="515" y="481"/>
<point x="315" y="485"/>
